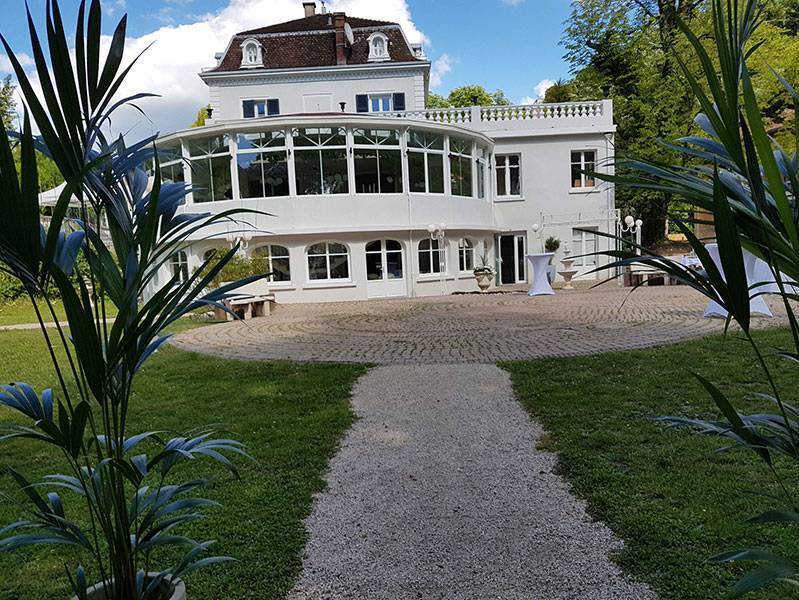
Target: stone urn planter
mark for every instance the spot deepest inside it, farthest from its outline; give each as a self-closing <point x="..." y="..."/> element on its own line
<point x="98" y="592"/>
<point x="484" y="279"/>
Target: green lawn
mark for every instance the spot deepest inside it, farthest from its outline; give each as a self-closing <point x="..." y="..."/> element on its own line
<point x="668" y="493"/>
<point x="21" y="311"/>
<point x="291" y="416"/>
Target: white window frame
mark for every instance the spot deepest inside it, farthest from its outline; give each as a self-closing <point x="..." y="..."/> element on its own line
<point x="347" y="146"/>
<point x="263" y="150"/>
<point x="327" y="256"/>
<point x="504" y="171"/>
<point x="381" y="96"/>
<point x="377" y="147"/>
<point x="374" y="55"/>
<point x="465" y="249"/>
<point x="471" y="159"/>
<point x="441" y="250"/>
<point x="246" y="63"/>
<point x="227" y="152"/>
<point x="179" y="265"/>
<point x="269" y="257"/>
<point x="383" y="254"/>
<point x="258" y="114"/>
<point x="583" y="261"/>
<point x="583" y="177"/>
<point x="425" y="152"/>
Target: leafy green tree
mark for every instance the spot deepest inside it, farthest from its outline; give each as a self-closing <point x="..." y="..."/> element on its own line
<point x="7" y="104"/>
<point x="202" y="115"/>
<point x="437" y="101"/>
<point x="560" y="92"/>
<point x="476" y="95"/>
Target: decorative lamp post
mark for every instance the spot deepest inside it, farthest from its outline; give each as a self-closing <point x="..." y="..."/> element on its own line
<point x="438" y="234"/>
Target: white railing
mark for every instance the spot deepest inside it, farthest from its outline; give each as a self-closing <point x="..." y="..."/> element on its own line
<point x="563" y="110"/>
<point x="477" y="115"/>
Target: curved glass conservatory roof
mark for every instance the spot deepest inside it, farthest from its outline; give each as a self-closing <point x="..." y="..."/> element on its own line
<point x="327" y="155"/>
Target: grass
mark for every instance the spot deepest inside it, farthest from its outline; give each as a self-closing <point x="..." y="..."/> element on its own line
<point x="291" y="416"/>
<point x="668" y="493"/>
<point x="20" y="311"/>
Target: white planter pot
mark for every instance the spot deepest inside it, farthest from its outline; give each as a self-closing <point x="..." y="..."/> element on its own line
<point x="484" y="280"/>
<point x="98" y="592"/>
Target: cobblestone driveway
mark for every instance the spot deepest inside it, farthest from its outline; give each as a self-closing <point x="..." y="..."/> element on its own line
<point x="463" y="329"/>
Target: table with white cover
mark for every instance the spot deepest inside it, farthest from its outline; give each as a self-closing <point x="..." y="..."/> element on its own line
<point x="540" y="284"/>
<point x="757" y="304"/>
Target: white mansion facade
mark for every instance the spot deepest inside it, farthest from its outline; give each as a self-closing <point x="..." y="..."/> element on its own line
<point x="321" y="122"/>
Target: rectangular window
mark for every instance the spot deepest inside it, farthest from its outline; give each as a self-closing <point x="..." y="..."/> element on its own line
<point x="584" y="242"/>
<point x="480" y="164"/>
<point x="426" y="162"/>
<point x="210" y="167"/>
<point x="583" y="162"/>
<point x="171" y="161"/>
<point x="509" y="175"/>
<point x="378" y="161"/>
<point x="262" y="165"/>
<point x="460" y="166"/>
<point x="379" y="103"/>
<point x="253" y="109"/>
<point x="320" y="161"/>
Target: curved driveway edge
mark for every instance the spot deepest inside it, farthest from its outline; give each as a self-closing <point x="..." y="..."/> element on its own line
<point x="463" y="329"/>
<point x="439" y="491"/>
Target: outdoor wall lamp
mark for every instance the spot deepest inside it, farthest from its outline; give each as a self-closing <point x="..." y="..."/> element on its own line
<point x="631" y="225"/>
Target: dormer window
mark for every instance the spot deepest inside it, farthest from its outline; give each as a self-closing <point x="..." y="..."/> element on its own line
<point x="251" y="54"/>
<point x="378" y="47"/>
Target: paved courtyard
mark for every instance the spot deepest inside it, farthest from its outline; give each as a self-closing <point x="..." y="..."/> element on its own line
<point x="465" y="328"/>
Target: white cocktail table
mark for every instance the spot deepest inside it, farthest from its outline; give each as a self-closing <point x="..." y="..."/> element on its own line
<point x="757" y="305"/>
<point x="538" y="263"/>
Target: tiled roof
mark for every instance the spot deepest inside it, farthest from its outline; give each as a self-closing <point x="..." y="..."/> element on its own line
<point x="311" y="42"/>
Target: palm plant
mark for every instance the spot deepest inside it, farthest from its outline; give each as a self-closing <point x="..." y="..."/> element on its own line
<point x="118" y="503"/>
<point x="749" y="184"/>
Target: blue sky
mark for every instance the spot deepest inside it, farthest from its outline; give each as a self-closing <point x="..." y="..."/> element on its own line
<point x="507" y="44"/>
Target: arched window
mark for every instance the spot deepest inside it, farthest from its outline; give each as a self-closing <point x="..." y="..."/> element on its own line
<point x="378" y="47"/>
<point x="328" y="260"/>
<point x="179" y="265"/>
<point x="251" y="54"/>
<point x="277" y="261"/>
<point x="465" y="254"/>
<point x="431" y="257"/>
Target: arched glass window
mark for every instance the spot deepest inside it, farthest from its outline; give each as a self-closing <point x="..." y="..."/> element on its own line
<point x="251" y="52"/>
<point x="328" y="260"/>
<point x="277" y="261"/>
<point x="179" y="265"/>
<point x="465" y="254"/>
<point x="431" y="257"/>
<point x="378" y="46"/>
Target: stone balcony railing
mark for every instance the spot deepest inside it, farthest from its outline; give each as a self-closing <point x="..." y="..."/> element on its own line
<point x="592" y="115"/>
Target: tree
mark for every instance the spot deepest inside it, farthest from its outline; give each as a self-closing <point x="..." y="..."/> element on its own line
<point x="437" y="101"/>
<point x="7" y="104"/>
<point x="202" y="115"/>
<point x="476" y="95"/>
<point x="561" y="91"/>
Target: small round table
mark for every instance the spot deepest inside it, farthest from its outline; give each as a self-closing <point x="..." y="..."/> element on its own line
<point x="539" y="263"/>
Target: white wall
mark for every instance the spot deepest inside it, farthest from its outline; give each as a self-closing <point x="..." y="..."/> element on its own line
<point x="226" y="95"/>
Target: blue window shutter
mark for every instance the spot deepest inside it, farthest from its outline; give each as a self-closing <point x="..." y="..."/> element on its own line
<point x="273" y="107"/>
<point x="249" y="109"/>
<point x="362" y="103"/>
<point x="399" y="101"/>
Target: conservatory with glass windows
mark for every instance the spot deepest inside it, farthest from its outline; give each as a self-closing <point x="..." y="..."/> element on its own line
<point x="350" y="200"/>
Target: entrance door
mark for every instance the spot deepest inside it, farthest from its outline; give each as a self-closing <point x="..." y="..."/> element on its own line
<point x="511" y="252"/>
<point x="385" y="276"/>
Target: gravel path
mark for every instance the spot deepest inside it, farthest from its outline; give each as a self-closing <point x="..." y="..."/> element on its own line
<point x="439" y="492"/>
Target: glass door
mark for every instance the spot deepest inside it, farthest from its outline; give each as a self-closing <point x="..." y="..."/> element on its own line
<point x="512" y="251"/>
<point x="385" y="276"/>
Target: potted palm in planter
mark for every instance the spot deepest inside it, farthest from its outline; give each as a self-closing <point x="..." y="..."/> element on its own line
<point x="484" y="274"/>
<point x="551" y="244"/>
<point x="120" y="503"/>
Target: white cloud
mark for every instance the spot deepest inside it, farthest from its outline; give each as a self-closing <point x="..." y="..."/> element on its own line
<point x="529" y="100"/>
<point x="5" y="62"/>
<point x="512" y="2"/>
<point x="441" y="66"/>
<point x="178" y="53"/>
<point x="542" y="86"/>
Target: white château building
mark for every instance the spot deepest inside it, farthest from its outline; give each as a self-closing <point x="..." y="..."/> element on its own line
<point x="321" y="122"/>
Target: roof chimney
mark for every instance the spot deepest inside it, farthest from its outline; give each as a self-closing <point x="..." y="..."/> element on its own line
<point x="338" y="23"/>
<point x="310" y="8"/>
